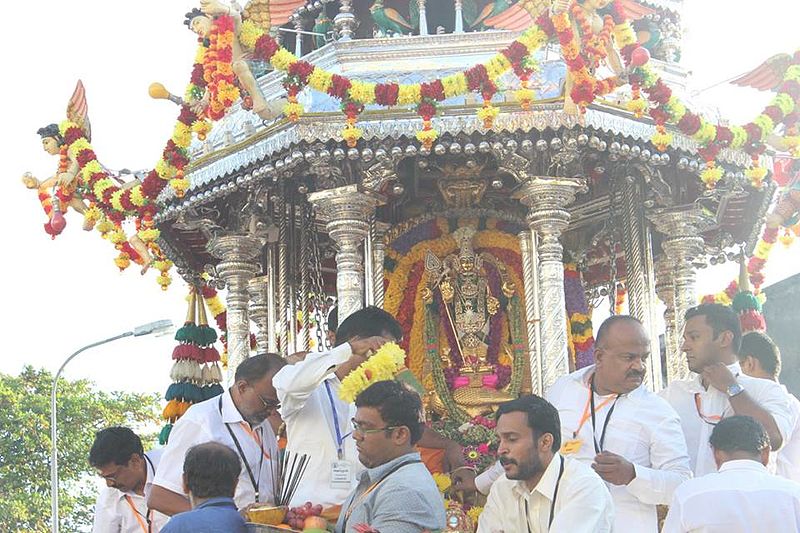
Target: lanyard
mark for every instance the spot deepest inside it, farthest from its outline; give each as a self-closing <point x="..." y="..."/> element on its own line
<point x="357" y="501"/>
<point x="552" y="503"/>
<point x="253" y="481"/>
<point x="599" y="447"/>
<point x="144" y="520"/>
<point x="712" y="420"/>
<point x="336" y="427"/>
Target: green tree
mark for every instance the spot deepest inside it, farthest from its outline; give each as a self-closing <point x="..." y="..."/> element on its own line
<point x="25" y="446"/>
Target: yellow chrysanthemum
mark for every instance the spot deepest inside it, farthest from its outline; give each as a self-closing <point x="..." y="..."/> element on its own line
<point x="92" y="215"/>
<point x="637" y="106"/>
<point x="362" y="92"/>
<point x="533" y="39"/>
<point x="90" y="168"/>
<point x="427" y="137"/>
<point x="784" y="102"/>
<point x="675" y="109"/>
<point x="293" y="111"/>
<point x="455" y="85"/>
<point x="78" y="146"/>
<point x="200" y="54"/>
<point x="766" y="124"/>
<point x="488" y="112"/>
<point x="282" y="59"/>
<point x="137" y="198"/>
<point x="711" y="175"/>
<point x="443" y="481"/>
<point x="792" y="73"/>
<point x="475" y="513"/>
<point x="249" y="33"/>
<point x="116" y="200"/>
<point x="164" y="170"/>
<point x="117" y="236"/>
<point x="624" y="35"/>
<point x="64" y="125"/>
<point x="320" y="80"/>
<point x="164" y="280"/>
<point x="104" y="226"/>
<point x="706" y="133"/>
<point x="386" y="362"/>
<point x="409" y="94"/>
<point x="497" y="65"/>
<point x="182" y="135"/>
<point x="739" y="137"/>
<point x="122" y="261"/>
<point x="101" y="186"/>
<point x="149" y="235"/>
<point x="180" y="186"/>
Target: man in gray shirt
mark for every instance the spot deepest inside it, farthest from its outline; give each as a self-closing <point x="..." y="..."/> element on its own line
<point x="396" y="493"/>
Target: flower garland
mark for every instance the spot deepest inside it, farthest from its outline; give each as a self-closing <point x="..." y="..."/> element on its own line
<point x="355" y="94"/>
<point x="217" y="67"/>
<point x="383" y="365"/>
<point x="579" y="317"/>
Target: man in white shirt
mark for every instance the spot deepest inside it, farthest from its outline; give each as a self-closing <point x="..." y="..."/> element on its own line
<point x="761" y="358"/>
<point x="121" y="506"/>
<point x="238" y="418"/>
<point x="318" y="421"/>
<point x="542" y="491"/>
<point x="743" y="495"/>
<point x="711" y="339"/>
<point x="630" y="436"/>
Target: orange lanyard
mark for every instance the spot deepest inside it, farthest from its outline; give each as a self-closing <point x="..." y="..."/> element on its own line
<point x="708" y="419"/>
<point x="255" y="436"/>
<point x="587" y="412"/>
<point x="139" y="518"/>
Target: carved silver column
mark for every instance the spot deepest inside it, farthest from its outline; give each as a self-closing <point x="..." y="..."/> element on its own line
<point x="346" y="211"/>
<point x="345" y="21"/>
<point x="369" y="263"/>
<point x="640" y="278"/>
<point x="379" y="254"/>
<point x="423" y="18"/>
<point x="665" y="289"/>
<point x="272" y="309"/>
<point x="530" y="261"/>
<point x="284" y="330"/>
<point x="237" y="267"/>
<point x="258" y="288"/>
<point x="547" y="198"/>
<point x="682" y="244"/>
<point x="459" y="22"/>
<point x="298" y="36"/>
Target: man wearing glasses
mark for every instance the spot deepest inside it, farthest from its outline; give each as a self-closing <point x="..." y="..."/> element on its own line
<point x="238" y="419"/>
<point x="128" y="471"/>
<point x="396" y="493"/>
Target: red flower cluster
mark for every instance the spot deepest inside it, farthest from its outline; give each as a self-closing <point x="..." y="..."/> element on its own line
<point x="339" y="87"/>
<point x="433" y="90"/>
<point x="426" y="109"/>
<point x="300" y="70"/>
<point x="351" y="109"/>
<point x="659" y="93"/>
<point x="386" y="94"/>
<point x="175" y="156"/>
<point x="197" y="75"/>
<point x="265" y="48"/>
<point x="689" y="123"/>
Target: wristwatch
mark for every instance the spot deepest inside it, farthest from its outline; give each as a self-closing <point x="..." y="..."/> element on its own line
<point x="734" y="389"/>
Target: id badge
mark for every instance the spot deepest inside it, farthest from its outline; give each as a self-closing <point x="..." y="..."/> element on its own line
<point x="341" y="475"/>
<point x="571" y="446"/>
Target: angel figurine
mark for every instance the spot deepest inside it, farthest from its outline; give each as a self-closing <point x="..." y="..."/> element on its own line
<point x="264" y="13"/>
<point x="60" y="192"/>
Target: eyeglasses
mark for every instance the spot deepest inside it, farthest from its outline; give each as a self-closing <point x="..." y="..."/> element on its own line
<point x="269" y="403"/>
<point x="357" y="428"/>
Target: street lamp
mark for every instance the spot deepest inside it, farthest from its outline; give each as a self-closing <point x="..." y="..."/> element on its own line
<point x="157" y="327"/>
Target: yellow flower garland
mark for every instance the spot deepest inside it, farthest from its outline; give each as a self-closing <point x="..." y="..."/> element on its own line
<point x="386" y="362"/>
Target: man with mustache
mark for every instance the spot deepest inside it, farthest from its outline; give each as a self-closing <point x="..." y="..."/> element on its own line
<point x="712" y="338"/>
<point x="238" y="419"/>
<point x="542" y="490"/>
<point x="629" y="436"/>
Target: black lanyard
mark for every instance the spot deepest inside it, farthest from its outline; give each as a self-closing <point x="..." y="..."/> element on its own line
<point x="253" y="481"/>
<point x="598" y="447"/>
<point x="552" y="503"/>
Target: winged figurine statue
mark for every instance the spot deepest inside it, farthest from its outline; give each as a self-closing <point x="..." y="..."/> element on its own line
<point x="768" y="75"/>
<point x="389" y="21"/>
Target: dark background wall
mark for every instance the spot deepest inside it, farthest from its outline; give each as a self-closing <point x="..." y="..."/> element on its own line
<point x="782" y="312"/>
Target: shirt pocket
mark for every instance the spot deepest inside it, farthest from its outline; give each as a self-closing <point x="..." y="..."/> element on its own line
<point x="630" y="440"/>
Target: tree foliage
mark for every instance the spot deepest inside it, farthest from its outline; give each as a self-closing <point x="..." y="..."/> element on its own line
<point x="25" y="446"/>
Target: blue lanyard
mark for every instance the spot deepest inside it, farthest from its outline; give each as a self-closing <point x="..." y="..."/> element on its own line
<point x="339" y="437"/>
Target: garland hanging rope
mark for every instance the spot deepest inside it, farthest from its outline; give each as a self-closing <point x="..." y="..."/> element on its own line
<point x="212" y="74"/>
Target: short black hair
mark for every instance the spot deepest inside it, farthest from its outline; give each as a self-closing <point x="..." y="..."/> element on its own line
<point x="602" y="331"/>
<point x="397" y="404"/>
<point x="721" y="318"/>
<point x="368" y="322"/>
<point x="116" y="445"/>
<point x="254" y="368"/>
<point x="51" y="130"/>
<point x="191" y="15"/>
<point x="333" y="320"/>
<point x="542" y="416"/>
<point x="760" y="346"/>
<point x="739" y="434"/>
<point x="211" y="470"/>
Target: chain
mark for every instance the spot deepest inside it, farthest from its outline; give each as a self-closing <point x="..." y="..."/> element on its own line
<point x="315" y="269"/>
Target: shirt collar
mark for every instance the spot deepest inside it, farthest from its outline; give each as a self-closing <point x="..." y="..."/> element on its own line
<point x="547" y="483"/>
<point x="376" y="473"/>
<point x="218" y="502"/>
<point x="584" y="373"/>
<point x="697" y="380"/>
<point x="148" y="480"/>
<point x="743" y="464"/>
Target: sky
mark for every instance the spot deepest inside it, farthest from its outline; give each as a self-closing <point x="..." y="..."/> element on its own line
<point x="62" y="294"/>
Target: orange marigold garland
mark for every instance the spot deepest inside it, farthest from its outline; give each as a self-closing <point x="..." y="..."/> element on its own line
<point x="218" y="69"/>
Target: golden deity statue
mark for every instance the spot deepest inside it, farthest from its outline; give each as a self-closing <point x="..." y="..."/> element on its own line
<point x="468" y="308"/>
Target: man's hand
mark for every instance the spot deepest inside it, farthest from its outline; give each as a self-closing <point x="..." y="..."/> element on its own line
<point x="718" y="376"/>
<point x="365" y="347"/>
<point x="65" y="178"/>
<point x="613" y="468"/>
<point x="29" y="181"/>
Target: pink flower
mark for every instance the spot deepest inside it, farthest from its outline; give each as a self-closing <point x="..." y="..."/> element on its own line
<point x="483" y="449"/>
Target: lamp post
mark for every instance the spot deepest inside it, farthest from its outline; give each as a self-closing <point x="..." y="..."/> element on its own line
<point x="159" y="326"/>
